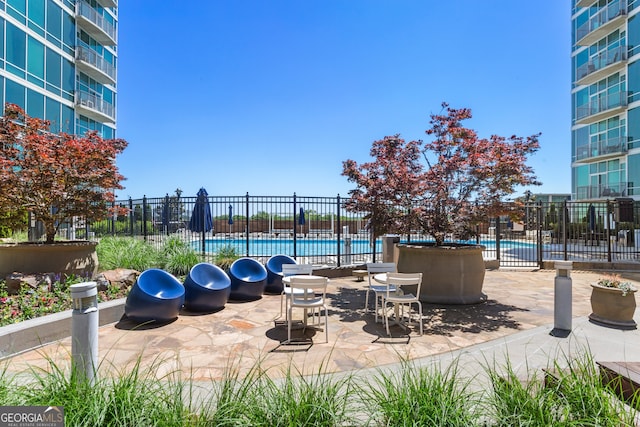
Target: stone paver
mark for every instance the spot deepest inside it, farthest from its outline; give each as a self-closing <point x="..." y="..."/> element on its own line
<point x="245" y="334"/>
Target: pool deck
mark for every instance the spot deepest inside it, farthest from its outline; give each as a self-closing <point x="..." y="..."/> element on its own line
<point x="517" y="320"/>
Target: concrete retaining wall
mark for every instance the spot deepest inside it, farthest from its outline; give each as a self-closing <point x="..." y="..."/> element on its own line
<point x="37" y="332"/>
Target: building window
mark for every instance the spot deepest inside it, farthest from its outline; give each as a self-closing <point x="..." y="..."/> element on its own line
<point x="16" y="50"/>
<point x="35" y="62"/>
<point x="52" y="113"/>
<point x="15" y="93"/>
<point x="35" y="103"/>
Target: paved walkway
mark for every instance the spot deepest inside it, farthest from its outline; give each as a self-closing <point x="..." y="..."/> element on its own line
<point x="515" y="321"/>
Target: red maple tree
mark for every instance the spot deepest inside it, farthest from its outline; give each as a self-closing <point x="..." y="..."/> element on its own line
<point x="444" y="186"/>
<point x="55" y="176"/>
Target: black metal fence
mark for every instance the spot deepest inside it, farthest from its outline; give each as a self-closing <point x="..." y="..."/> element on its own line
<point x="320" y="230"/>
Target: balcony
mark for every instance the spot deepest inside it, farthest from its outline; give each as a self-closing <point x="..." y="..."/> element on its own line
<point x="601" y="107"/>
<point x="94" y="24"/>
<point x="108" y="3"/>
<point x="90" y="63"/>
<point x="584" y="3"/>
<point x="601" y="191"/>
<point x="606" y="63"/>
<point x="601" y="150"/>
<point x="602" y="23"/>
<point x="94" y="107"/>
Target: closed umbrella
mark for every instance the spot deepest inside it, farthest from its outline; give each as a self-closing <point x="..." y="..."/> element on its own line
<point x="201" y="216"/>
<point x="165" y="215"/>
<point x="230" y="219"/>
<point x="591" y="218"/>
<point x="301" y="219"/>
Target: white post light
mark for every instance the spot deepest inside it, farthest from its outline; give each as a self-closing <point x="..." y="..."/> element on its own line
<point x="562" y="313"/>
<point x="84" y="329"/>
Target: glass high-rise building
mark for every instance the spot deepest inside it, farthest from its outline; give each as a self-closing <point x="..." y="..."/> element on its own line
<point x="58" y="61"/>
<point x="605" y="99"/>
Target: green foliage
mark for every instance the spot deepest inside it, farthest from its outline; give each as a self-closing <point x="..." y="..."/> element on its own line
<point x="30" y="303"/>
<point x="104" y="227"/>
<point x="570" y="395"/>
<point x="135" y="397"/>
<point x="263" y="215"/>
<point x="416" y="396"/>
<point x="225" y="256"/>
<point x="12" y="221"/>
<point x="178" y="256"/>
<point x="126" y="252"/>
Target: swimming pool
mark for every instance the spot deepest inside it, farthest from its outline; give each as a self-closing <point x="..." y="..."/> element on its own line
<point x="317" y="247"/>
<point x="303" y="247"/>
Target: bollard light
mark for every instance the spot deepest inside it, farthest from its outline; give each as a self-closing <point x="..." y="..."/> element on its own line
<point x="84" y="329"/>
<point x="347" y="250"/>
<point x="562" y="311"/>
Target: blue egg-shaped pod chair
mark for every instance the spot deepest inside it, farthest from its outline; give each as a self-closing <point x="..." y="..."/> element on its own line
<point x="156" y="296"/>
<point x="274" y="273"/>
<point x="207" y="288"/>
<point x="248" y="279"/>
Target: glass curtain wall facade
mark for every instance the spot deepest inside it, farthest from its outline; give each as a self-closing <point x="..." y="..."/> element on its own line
<point x="605" y="133"/>
<point x="58" y="61"/>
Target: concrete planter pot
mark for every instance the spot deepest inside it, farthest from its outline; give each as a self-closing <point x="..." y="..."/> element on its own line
<point x="611" y="309"/>
<point x="451" y="274"/>
<point x="74" y="257"/>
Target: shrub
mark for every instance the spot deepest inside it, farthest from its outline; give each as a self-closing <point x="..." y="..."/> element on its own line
<point x="178" y="257"/>
<point x="225" y="256"/>
<point x="126" y="252"/>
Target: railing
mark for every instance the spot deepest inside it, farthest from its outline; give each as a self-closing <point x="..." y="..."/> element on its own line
<point x="602" y="60"/>
<point x="91" y="57"/>
<point x="608" y="102"/>
<point x="260" y="227"/>
<point x="85" y="10"/>
<point x="93" y="102"/>
<point x="610" y="146"/>
<point x="607" y="14"/>
<point x="602" y="191"/>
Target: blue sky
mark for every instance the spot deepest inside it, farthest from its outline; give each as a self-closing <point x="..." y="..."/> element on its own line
<point x="269" y="97"/>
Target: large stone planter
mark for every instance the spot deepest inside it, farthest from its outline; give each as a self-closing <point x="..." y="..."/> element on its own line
<point x="74" y="257"/>
<point x="451" y="274"/>
<point x="611" y="309"/>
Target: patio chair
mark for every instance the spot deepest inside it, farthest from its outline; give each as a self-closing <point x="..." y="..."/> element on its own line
<point x="287" y="290"/>
<point x="248" y="279"/>
<point x="207" y="288"/>
<point x="274" y="273"/>
<point x="156" y="296"/>
<point x="394" y="295"/>
<point x="374" y="268"/>
<point x="314" y="296"/>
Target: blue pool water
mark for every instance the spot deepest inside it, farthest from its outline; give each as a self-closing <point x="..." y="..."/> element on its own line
<point x="315" y="247"/>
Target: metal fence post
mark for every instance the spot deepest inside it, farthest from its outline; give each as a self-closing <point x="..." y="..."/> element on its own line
<point x="539" y="214"/>
<point x="144" y="217"/>
<point x="565" y="218"/>
<point x="295" y="213"/>
<point x="112" y="218"/>
<point x="131" y="217"/>
<point x="247" y="221"/>
<point x="608" y="224"/>
<point x="498" y="232"/>
<point x="338" y="224"/>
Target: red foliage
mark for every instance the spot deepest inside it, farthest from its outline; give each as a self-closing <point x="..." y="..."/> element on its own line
<point x="443" y="186"/>
<point x="55" y="176"/>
